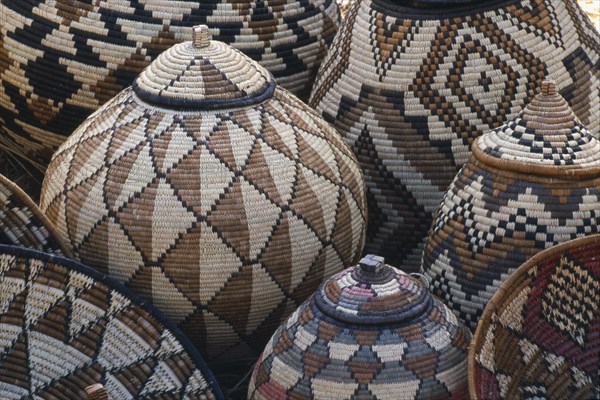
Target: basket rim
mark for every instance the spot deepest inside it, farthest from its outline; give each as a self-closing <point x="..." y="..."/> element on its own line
<point x="136" y="299"/>
<point x="504" y="290"/>
<point x="37" y="212"/>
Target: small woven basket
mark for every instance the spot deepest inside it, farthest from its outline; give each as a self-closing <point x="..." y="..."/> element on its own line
<point x="61" y="60"/>
<point x="530" y="184"/>
<point x="539" y="336"/>
<point x="66" y="326"/>
<point x="22" y="223"/>
<point x="213" y="193"/>
<point x="369" y="332"/>
<point x="411" y="84"/>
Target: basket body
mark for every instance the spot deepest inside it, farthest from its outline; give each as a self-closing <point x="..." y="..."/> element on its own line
<point x="226" y="218"/>
<point x="410" y="88"/>
<point x="540" y="333"/>
<point x="66" y="326"/>
<point x="362" y="348"/>
<point x="60" y="61"/>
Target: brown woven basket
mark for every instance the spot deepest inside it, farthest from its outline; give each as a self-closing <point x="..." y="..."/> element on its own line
<point x="61" y="60"/>
<point x="212" y="192"/>
<point x="22" y="223"/>
<point x="66" y="326"/>
<point x="530" y="184"/>
<point x="411" y="84"/>
<point x="539" y="336"/>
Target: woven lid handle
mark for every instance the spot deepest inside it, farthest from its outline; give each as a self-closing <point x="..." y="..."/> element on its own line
<point x="549" y="87"/>
<point x="201" y="36"/>
<point x="97" y="392"/>
<point x="371" y="263"/>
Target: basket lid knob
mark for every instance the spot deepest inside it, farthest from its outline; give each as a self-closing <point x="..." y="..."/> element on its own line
<point x="549" y="87"/>
<point x="372" y="263"/>
<point x="201" y="36"/>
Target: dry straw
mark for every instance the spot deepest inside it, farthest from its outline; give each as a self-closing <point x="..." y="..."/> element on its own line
<point x="212" y="192"/>
<point x="530" y="184"/>
<point x="539" y="335"/>
<point x="370" y="331"/>
<point x="61" y="60"/>
<point x="22" y="223"/>
<point x="411" y="84"/>
<point x="66" y="326"/>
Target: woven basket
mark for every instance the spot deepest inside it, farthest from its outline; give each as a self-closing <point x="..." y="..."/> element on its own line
<point x="214" y="193"/>
<point x="539" y="336"/>
<point x="370" y="332"/>
<point x="530" y="184"/>
<point x="66" y="326"/>
<point x="410" y="88"/>
<point x="22" y="223"/>
<point x="61" y="60"/>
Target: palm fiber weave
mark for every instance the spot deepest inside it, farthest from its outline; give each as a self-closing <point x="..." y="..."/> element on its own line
<point x="213" y="192"/>
<point x="61" y="60"/>
<point x="65" y="326"/>
<point x="22" y="223"/>
<point x="530" y="184"/>
<point x="369" y="332"/>
<point x="539" y="336"/>
<point x="411" y="84"/>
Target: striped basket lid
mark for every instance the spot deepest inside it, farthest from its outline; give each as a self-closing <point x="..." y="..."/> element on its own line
<point x="370" y="331"/>
<point x="61" y="60"/>
<point x="212" y="192"/>
<point x="530" y="184"/>
<point x="66" y="326"/>
<point x="539" y="336"/>
<point x="22" y="223"/>
<point x="410" y="84"/>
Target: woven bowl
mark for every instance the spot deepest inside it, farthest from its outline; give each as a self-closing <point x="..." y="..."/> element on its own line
<point x="65" y="326"/>
<point x="369" y="332"/>
<point x="212" y="192"/>
<point x="530" y="184"/>
<point x="411" y="84"/>
<point x="61" y="60"/>
<point x="22" y="223"/>
<point x="539" y="335"/>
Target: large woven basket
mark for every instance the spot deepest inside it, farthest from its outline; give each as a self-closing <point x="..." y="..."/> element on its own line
<point x="530" y="184"/>
<point x="22" y="223"/>
<point x="65" y="326"/>
<point x="369" y="332"/>
<point x="213" y="192"/>
<point x="411" y="84"/>
<point x="539" y="336"/>
<point x="61" y="60"/>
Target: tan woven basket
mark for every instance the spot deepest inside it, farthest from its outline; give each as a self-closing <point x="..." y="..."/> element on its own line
<point x="530" y="184"/>
<point x="212" y="192"/>
<point x="539" y="335"/>
<point x="66" y="326"/>
<point x="61" y="60"/>
<point x="411" y="84"/>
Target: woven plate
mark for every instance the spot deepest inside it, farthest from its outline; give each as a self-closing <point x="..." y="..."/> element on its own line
<point x="370" y="332"/>
<point x="530" y="184"/>
<point x="539" y="336"/>
<point x="23" y="223"/>
<point x="213" y="192"/>
<point x="411" y="84"/>
<point x="65" y="327"/>
<point x="61" y="60"/>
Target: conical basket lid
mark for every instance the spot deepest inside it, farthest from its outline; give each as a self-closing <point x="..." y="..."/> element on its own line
<point x="373" y="293"/>
<point x="204" y="75"/>
<point x="546" y="136"/>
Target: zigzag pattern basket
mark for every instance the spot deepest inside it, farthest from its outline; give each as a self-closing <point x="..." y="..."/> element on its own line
<point x="539" y="336"/>
<point x="212" y="192"/>
<point x="61" y="60"/>
<point x="530" y="184"/>
<point x="66" y="327"/>
<point x="411" y="84"/>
